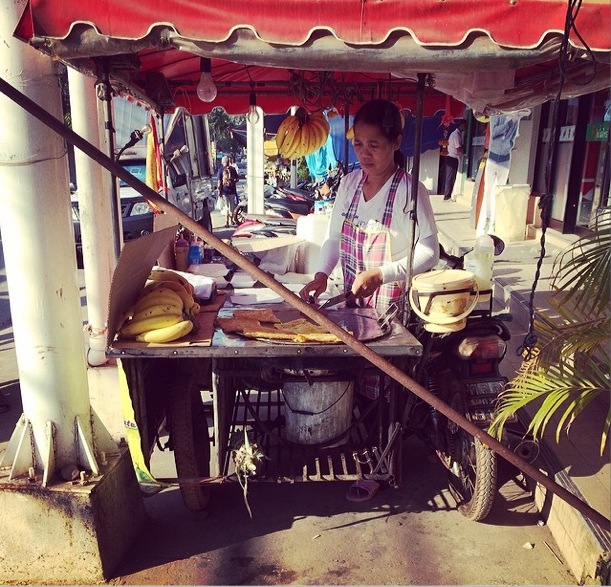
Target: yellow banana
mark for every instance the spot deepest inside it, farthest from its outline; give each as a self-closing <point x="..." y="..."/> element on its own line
<point x="136" y="327"/>
<point x="174" y="285"/>
<point x="291" y="150"/>
<point x="169" y="275"/>
<point x="312" y="139"/>
<point x="321" y="121"/>
<point x="322" y="127"/>
<point x="167" y="333"/>
<point x="158" y="310"/>
<point x="185" y="296"/>
<point x="291" y="138"/>
<point x="318" y="115"/>
<point x="187" y="299"/>
<point x="315" y="137"/>
<point x="282" y="134"/>
<point x="304" y="142"/>
<point x="155" y="298"/>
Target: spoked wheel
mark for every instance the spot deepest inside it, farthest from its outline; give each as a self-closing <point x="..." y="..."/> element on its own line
<point x="472" y="467"/>
<point x="189" y="439"/>
<point x="239" y="214"/>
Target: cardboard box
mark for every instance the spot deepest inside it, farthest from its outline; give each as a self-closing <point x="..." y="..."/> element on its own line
<point x="137" y="259"/>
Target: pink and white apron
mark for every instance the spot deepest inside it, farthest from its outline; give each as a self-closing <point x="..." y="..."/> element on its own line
<point x="363" y="248"/>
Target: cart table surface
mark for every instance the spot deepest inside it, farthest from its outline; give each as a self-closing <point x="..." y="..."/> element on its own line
<point x="395" y="341"/>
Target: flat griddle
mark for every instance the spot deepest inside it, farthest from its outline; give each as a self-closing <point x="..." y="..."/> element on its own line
<point x="363" y="323"/>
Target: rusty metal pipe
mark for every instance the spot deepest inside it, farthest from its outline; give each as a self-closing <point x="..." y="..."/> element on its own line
<point x="233" y="255"/>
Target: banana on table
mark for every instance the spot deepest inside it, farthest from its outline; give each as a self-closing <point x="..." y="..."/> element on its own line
<point x="164" y="310"/>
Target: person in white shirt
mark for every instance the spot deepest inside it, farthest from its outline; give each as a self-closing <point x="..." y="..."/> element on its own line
<point x="369" y="226"/>
<point x="452" y="159"/>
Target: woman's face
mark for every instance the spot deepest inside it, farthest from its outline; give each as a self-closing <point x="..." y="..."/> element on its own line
<point x="374" y="151"/>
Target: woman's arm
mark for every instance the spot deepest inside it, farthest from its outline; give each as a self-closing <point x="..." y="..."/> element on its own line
<point x="426" y="256"/>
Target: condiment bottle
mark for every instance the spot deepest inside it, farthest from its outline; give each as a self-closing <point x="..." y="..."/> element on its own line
<point x="181" y="253"/>
<point x="480" y="262"/>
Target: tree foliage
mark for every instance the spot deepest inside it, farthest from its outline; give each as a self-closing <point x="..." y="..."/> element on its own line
<point x="570" y="364"/>
<point x="221" y="125"/>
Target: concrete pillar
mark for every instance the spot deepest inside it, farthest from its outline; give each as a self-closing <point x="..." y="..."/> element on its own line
<point x="255" y="160"/>
<point x="95" y="215"/>
<point x="59" y="455"/>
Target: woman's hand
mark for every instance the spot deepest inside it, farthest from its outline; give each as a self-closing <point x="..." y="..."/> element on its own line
<point x="313" y="289"/>
<point x="366" y="283"/>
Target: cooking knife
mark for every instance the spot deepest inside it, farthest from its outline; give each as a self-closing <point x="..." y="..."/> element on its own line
<point x="344" y="297"/>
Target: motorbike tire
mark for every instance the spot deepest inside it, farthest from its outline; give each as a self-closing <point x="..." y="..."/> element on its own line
<point x="239" y="214"/>
<point x="472" y="468"/>
<point x="189" y="439"/>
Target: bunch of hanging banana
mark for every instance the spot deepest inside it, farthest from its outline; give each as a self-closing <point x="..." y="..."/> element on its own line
<point x="164" y="310"/>
<point x="301" y="134"/>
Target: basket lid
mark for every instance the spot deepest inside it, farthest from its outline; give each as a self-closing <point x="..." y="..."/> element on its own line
<point x="443" y="280"/>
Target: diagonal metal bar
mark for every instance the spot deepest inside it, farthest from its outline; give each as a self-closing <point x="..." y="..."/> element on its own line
<point x="233" y="255"/>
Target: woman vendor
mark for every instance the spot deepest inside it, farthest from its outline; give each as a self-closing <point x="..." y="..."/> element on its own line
<point x="369" y="227"/>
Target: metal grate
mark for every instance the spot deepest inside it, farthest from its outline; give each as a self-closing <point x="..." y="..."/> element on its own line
<point x="261" y="413"/>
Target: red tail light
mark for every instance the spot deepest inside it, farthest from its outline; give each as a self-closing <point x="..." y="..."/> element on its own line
<point x="484" y="368"/>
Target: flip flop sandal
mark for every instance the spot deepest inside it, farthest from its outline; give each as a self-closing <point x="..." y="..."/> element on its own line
<point x="362" y="490"/>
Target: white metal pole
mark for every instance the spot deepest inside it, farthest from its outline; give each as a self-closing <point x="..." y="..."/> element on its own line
<point x="255" y="162"/>
<point x="96" y="210"/>
<point x="55" y="430"/>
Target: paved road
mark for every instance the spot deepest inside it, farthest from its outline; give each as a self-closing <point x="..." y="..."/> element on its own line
<point x="308" y="533"/>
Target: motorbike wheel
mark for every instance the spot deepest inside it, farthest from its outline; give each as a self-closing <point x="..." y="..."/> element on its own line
<point x="472" y="467"/>
<point x="239" y="214"/>
<point x="189" y="439"/>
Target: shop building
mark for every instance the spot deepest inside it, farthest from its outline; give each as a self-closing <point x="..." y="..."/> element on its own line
<point x="577" y="173"/>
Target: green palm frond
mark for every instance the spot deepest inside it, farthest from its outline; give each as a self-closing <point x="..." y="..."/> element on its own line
<point x="570" y="364"/>
<point x="569" y="339"/>
<point x="562" y="391"/>
<point x="583" y="271"/>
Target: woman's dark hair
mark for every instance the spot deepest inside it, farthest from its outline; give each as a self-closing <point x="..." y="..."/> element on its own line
<point x="386" y="116"/>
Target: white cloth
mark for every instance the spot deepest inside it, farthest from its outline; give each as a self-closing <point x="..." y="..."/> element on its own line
<point x="371" y="212"/>
<point x="495" y="174"/>
<point x="455" y="144"/>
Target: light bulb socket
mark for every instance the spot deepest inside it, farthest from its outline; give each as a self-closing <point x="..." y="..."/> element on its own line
<point x="252" y="99"/>
<point x="205" y="65"/>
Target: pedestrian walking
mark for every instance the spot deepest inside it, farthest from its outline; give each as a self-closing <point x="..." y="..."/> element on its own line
<point x="452" y="159"/>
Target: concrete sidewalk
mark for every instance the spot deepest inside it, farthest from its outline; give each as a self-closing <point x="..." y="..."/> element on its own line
<point x="575" y="461"/>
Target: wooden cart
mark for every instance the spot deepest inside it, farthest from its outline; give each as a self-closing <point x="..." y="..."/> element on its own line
<point x="210" y="389"/>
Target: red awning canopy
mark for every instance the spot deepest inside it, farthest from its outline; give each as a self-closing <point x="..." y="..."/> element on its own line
<point x="493" y="55"/>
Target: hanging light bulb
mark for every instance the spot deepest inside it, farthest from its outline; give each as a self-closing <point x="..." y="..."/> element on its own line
<point x="206" y="90"/>
<point x="253" y="111"/>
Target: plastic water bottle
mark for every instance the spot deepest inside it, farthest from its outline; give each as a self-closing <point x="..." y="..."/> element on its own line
<point x="194" y="256"/>
<point x="479" y="261"/>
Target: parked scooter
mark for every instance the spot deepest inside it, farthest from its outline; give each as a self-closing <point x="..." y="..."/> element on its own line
<point x="285" y="202"/>
<point x="462" y="368"/>
<point x="265" y="225"/>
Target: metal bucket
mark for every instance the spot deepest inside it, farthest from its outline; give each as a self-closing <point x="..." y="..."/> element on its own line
<point x="317" y="412"/>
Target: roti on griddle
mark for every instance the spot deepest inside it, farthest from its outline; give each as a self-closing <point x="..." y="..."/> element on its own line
<point x="229" y="325"/>
<point x="248" y="323"/>
<point x="268" y="333"/>
<point x="265" y="315"/>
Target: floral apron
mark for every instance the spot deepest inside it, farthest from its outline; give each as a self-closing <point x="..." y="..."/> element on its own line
<point x="363" y="248"/>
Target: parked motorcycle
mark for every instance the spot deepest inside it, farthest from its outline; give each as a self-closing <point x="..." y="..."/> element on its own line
<point x="285" y="202"/>
<point x="462" y="368"/>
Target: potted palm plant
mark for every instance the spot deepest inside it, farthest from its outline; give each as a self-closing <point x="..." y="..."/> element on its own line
<point x="569" y="365"/>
